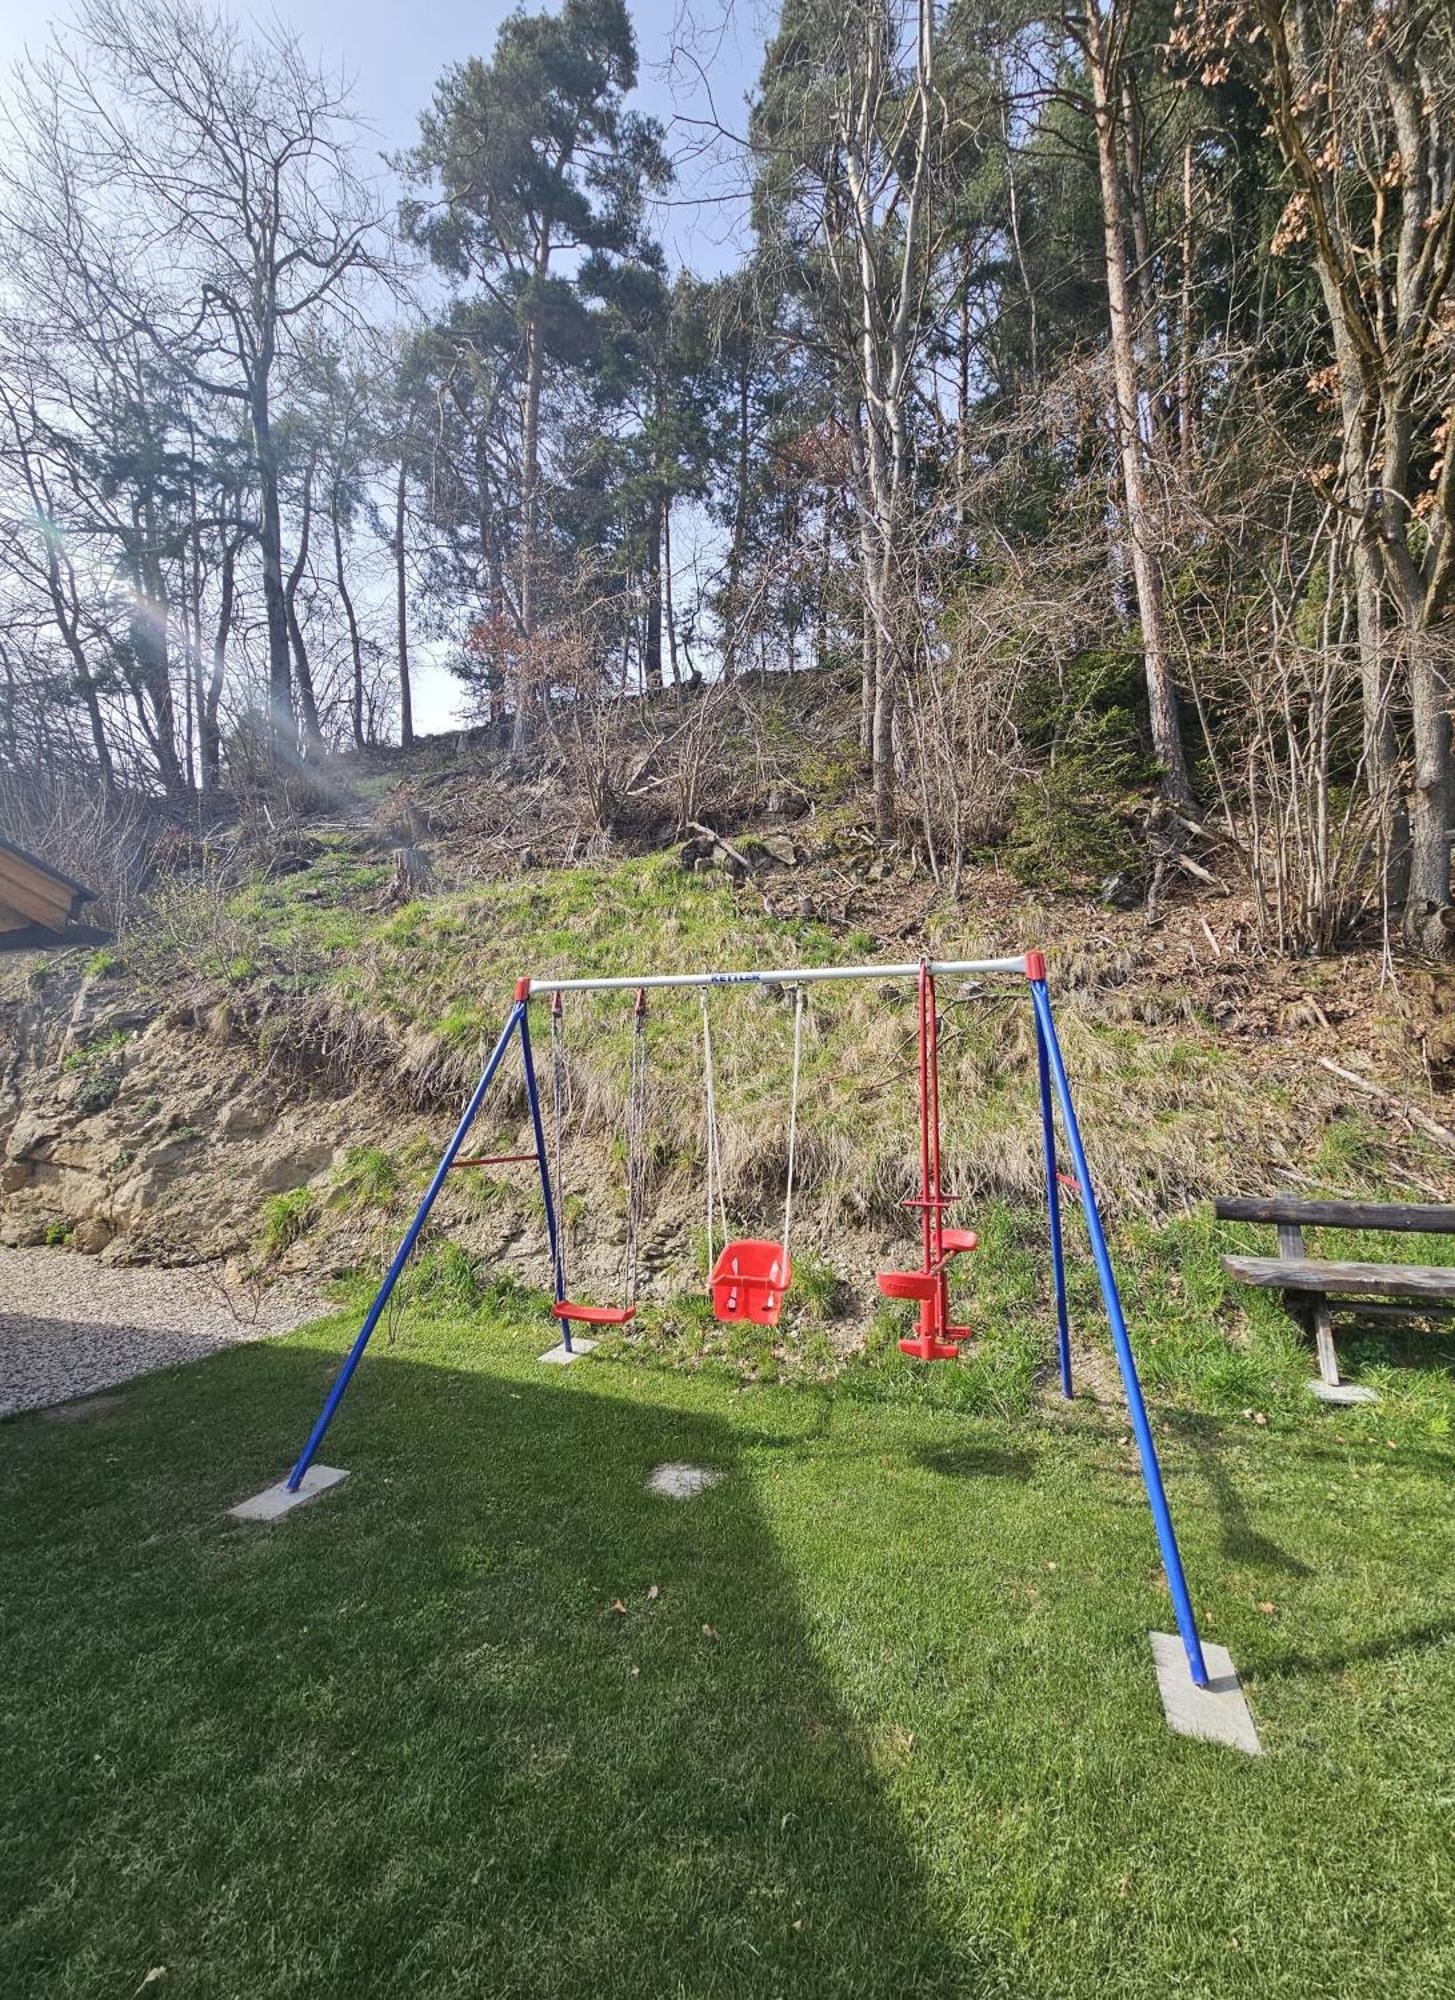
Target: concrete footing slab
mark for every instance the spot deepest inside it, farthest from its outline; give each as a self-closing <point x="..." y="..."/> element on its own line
<point x="680" y="1481"/>
<point x="1343" y="1392"/>
<point x="563" y="1356"/>
<point x="276" y="1501"/>
<point x="1217" y="1713"/>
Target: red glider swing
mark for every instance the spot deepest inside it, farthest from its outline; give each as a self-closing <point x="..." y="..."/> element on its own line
<point x="936" y="1339"/>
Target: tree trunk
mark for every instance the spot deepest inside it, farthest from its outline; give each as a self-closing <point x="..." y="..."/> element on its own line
<point x="68" y="621"/>
<point x="732" y="616"/>
<point x="401" y="609"/>
<point x="669" y="609"/>
<point x="1186" y="417"/>
<point x="652" y="656"/>
<point x="1427" y="903"/>
<point x="270" y="543"/>
<point x="356" y="649"/>
<point x="302" y="669"/>
<point x="530" y="478"/>
<point x="1146" y="569"/>
<point x="209" y="736"/>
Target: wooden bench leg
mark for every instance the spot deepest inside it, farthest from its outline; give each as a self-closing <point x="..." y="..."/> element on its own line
<point x="1324" y="1342"/>
<point x="1314" y="1315"/>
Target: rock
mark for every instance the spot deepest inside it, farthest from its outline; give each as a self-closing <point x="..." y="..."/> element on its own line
<point x="32" y="1136"/>
<point x="14" y="1176"/>
<point x="292" y="1167"/>
<point x="247" y="1114"/>
<point x="730" y="864"/>
<point x="695" y="854"/>
<point x="92" y="1235"/>
<point x="779" y="848"/>
<point x="25" y="1231"/>
<point x="100" y="1009"/>
<point x="1120" y="892"/>
<point x="1440" y="1050"/>
<point x="219" y="1023"/>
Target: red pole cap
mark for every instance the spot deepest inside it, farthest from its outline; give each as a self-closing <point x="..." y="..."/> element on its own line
<point x="522" y="988"/>
<point x="1035" y="966"/>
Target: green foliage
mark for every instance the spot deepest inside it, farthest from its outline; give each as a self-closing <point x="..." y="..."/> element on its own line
<point x="287" y="1218"/>
<point x="443" y="1278"/>
<point x="103" y="1049"/>
<point x="99" y="1067"/>
<point x="367" y="1177"/>
<point x="1074" y="820"/>
<point x="818" y="1287"/>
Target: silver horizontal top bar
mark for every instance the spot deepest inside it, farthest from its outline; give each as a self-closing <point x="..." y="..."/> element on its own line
<point x="802" y="975"/>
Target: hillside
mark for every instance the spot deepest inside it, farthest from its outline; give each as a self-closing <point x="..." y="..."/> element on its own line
<point x="264" y="1067"/>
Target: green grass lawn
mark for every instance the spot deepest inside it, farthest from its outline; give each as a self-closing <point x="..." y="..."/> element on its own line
<point x="877" y="1717"/>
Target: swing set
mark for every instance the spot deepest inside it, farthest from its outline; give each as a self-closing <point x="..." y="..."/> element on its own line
<point x="749" y="1277"/>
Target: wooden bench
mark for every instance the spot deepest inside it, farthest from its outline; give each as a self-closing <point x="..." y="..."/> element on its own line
<point x="1314" y="1287"/>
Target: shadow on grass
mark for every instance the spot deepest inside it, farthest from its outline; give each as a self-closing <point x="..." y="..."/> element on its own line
<point x="1411" y="1638"/>
<point x="491" y="1718"/>
<point x="1242" y="1540"/>
<point x="978" y="1461"/>
<point x="1364" y="1340"/>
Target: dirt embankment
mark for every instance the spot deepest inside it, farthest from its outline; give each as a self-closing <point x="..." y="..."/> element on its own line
<point x="198" y="1123"/>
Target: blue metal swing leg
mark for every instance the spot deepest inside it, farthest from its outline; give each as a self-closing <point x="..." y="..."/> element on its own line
<point x="1053" y="1212"/>
<point x="1137" y="1408"/>
<point x="553" y="1227"/>
<point x="341" y="1381"/>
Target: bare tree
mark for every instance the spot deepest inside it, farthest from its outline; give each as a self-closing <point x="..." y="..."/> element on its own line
<point x="230" y="167"/>
<point x="1102" y="29"/>
<point x="1361" y="104"/>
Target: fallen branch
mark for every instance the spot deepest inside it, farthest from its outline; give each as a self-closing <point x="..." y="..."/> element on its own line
<point x="697" y="826"/>
<point x="1198" y="873"/>
<point x="1430" y="1126"/>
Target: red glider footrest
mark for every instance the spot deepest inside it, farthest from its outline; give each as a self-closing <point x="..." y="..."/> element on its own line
<point x="935" y="1347"/>
<point x="908" y="1284"/>
<point x="953" y="1241"/>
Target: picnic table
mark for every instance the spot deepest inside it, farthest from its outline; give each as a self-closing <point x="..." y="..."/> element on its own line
<point x="1314" y="1288"/>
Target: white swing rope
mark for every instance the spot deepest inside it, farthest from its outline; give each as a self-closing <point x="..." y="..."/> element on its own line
<point x="714" y="1152"/>
<point x="800" y="993"/>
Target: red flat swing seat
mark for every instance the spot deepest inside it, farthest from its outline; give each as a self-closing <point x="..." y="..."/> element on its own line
<point x="749" y="1280"/>
<point x="593" y="1315"/>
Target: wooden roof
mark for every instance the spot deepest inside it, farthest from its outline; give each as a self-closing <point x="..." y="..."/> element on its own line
<point x="36" y="901"/>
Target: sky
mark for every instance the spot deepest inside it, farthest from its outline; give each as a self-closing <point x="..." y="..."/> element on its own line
<point x="698" y="60"/>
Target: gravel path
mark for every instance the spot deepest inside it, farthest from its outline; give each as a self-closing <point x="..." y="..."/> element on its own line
<point x="70" y="1326"/>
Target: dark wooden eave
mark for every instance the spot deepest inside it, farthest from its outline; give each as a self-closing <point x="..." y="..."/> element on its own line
<point x="38" y="903"/>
